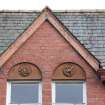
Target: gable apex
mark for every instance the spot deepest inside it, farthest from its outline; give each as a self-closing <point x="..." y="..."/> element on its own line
<point x="48" y="15"/>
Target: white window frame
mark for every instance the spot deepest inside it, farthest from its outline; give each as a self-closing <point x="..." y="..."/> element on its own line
<point x="8" y="96"/>
<point x="54" y="90"/>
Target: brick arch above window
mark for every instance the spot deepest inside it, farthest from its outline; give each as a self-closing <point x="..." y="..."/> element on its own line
<point x="24" y="71"/>
<point x="69" y="71"/>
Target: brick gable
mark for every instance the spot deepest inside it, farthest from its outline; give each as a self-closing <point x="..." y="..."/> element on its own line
<point x="46" y="48"/>
<point x="49" y="16"/>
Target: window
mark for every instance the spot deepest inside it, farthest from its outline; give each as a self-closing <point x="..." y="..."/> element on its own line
<point x="23" y="93"/>
<point x="68" y="93"/>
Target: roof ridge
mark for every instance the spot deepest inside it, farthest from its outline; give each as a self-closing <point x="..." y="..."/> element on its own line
<point x="61" y="11"/>
<point x="81" y="10"/>
<point x="19" y="11"/>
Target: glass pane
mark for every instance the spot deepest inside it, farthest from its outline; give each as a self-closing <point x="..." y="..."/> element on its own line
<point x="69" y="93"/>
<point x="24" y="93"/>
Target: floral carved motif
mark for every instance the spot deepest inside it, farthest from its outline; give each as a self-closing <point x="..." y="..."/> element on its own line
<point x="24" y="72"/>
<point x="68" y="71"/>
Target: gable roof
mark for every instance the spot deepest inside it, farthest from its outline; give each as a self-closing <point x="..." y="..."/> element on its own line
<point x="87" y="25"/>
<point x="48" y="15"/>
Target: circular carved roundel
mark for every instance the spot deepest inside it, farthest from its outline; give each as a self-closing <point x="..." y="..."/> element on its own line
<point x="23" y="71"/>
<point x="68" y="71"/>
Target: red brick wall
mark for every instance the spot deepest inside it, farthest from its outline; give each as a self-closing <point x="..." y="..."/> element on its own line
<point x="47" y="49"/>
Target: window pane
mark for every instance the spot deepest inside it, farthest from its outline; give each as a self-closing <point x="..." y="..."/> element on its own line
<point x="69" y="93"/>
<point x="24" y="93"/>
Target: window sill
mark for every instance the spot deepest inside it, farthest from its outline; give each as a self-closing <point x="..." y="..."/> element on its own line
<point x="68" y="104"/>
<point x="27" y="104"/>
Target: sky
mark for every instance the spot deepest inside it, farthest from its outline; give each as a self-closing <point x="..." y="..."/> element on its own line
<point x="53" y="4"/>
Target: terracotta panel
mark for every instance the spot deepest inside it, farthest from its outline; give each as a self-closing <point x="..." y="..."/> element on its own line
<point x="24" y="71"/>
<point x="69" y="71"/>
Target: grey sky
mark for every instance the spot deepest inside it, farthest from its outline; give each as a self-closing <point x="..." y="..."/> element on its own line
<point x="53" y="4"/>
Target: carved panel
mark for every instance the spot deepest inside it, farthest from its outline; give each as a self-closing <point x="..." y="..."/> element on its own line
<point x="69" y="71"/>
<point x="24" y="71"/>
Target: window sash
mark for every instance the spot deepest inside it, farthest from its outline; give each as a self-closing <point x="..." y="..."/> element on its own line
<point x="8" y="98"/>
<point x="54" y="92"/>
